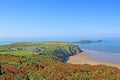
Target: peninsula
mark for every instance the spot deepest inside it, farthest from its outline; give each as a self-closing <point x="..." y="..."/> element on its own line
<point x="88" y="41"/>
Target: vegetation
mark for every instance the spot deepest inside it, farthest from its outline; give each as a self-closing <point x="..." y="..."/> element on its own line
<point x="48" y="63"/>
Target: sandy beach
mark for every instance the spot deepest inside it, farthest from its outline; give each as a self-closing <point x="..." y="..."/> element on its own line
<point x="84" y="58"/>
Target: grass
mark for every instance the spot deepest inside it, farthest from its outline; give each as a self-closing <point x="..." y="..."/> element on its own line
<point x="4" y="53"/>
<point x="19" y="53"/>
<point x="23" y="53"/>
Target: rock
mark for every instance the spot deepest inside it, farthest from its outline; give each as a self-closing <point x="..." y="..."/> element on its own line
<point x="85" y="41"/>
<point x="89" y="41"/>
<point x="98" y="41"/>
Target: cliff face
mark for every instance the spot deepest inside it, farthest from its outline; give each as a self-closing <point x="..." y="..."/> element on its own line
<point x="66" y="51"/>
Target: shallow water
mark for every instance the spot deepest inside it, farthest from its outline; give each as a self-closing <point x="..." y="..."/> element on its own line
<point x="102" y="56"/>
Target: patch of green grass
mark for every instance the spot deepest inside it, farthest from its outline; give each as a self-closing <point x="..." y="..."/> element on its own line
<point x="19" y="53"/>
<point x="3" y="53"/>
<point x="22" y="53"/>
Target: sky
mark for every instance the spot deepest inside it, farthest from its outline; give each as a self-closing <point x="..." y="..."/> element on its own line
<point x="59" y="18"/>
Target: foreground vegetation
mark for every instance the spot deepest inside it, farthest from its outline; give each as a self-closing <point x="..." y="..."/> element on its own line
<point x="45" y="61"/>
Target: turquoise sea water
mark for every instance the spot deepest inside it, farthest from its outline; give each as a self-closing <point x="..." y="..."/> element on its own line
<point x="108" y="50"/>
<point x="107" y="45"/>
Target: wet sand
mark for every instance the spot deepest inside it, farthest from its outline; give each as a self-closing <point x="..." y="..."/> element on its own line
<point x="84" y="58"/>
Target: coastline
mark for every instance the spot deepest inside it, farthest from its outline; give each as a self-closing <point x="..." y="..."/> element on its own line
<point x="85" y="58"/>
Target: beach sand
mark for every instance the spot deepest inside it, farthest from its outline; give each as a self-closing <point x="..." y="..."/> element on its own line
<point x="84" y="58"/>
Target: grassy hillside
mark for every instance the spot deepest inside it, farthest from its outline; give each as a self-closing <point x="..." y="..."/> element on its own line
<point x="56" y="50"/>
<point x="44" y="61"/>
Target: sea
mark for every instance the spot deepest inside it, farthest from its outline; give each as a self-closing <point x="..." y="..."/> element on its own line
<point x="108" y="50"/>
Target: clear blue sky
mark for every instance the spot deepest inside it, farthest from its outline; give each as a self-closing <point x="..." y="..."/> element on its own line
<point x="59" y="18"/>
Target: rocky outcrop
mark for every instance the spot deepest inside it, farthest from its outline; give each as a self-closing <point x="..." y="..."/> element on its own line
<point x="63" y="53"/>
<point x="89" y="41"/>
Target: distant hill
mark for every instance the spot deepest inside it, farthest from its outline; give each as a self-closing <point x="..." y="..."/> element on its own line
<point x="88" y="41"/>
